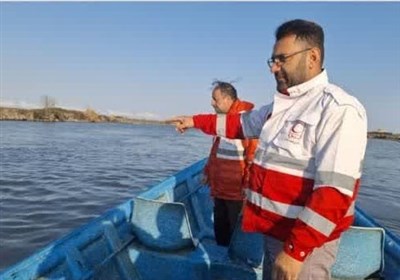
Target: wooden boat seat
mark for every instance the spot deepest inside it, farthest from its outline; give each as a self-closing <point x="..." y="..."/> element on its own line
<point x="361" y="253"/>
<point x="162" y="226"/>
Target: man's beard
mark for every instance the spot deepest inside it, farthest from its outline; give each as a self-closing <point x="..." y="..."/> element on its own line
<point x="218" y="111"/>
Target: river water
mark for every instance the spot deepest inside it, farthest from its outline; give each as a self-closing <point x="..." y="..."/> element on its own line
<point x="57" y="176"/>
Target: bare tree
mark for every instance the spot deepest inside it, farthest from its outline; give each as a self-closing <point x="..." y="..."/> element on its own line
<point x="48" y="102"/>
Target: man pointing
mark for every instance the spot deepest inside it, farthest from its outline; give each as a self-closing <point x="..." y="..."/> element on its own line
<point x="306" y="171"/>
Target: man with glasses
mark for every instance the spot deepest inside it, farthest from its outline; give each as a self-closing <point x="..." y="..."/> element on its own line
<point x="306" y="172"/>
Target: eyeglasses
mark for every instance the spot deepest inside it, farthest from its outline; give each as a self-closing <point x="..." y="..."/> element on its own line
<point x="280" y="59"/>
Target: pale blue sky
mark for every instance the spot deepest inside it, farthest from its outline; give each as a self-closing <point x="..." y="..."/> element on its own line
<point x="160" y="58"/>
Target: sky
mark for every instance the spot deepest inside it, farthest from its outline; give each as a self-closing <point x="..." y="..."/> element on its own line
<point x="158" y="59"/>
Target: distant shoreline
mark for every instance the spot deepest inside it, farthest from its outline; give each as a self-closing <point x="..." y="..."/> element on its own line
<point x="56" y="114"/>
<point x="383" y="135"/>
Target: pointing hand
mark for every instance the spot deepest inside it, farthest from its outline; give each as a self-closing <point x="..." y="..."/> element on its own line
<point x="182" y="123"/>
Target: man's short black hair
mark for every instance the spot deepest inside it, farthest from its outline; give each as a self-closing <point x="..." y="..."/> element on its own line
<point x="225" y="88"/>
<point x="304" y="30"/>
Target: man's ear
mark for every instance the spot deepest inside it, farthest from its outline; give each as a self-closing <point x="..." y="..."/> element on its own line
<point x="314" y="58"/>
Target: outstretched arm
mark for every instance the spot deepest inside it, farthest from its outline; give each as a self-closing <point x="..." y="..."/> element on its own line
<point x="225" y="125"/>
<point x="233" y="126"/>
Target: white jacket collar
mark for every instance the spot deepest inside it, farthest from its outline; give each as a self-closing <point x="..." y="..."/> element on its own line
<point x="320" y="79"/>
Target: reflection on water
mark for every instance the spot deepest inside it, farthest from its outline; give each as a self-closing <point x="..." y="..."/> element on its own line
<point x="56" y="176"/>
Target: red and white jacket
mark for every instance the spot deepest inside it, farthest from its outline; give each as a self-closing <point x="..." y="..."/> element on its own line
<point x="306" y="171"/>
<point x="229" y="161"/>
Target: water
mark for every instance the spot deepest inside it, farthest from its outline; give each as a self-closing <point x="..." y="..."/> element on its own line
<point x="57" y="176"/>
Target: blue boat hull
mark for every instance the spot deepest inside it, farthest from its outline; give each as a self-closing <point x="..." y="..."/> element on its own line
<point x="167" y="233"/>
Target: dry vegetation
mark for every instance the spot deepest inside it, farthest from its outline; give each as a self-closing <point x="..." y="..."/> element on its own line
<point x="62" y="115"/>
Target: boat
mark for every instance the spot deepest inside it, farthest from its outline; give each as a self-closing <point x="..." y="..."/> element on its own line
<point x="166" y="232"/>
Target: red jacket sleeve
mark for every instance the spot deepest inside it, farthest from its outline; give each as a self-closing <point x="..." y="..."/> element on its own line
<point x="225" y="125"/>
